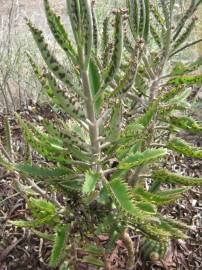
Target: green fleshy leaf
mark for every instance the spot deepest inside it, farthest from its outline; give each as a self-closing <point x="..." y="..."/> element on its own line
<point x="180" y="146"/>
<point x="147" y="207"/>
<point x="164" y="176"/>
<point x="58" y="70"/>
<point x="25" y="223"/>
<point x="59" y="32"/>
<point x="123" y="198"/>
<point x="37" y="171"/>
<point x="95" y="81"/>
<point x="46" y="236"/>
<point x="93" y="261"/>
<point x="186" y="123"/>
<point x="187" y="80"/>
<point x="148" y="116"/>
<point x="139" y="158"/>
<point x="91" y="179"/>
<point x="98" y="251"/>
<point x="59" y="244"/>
<point x="158" y="198"/>
<point x="114" y="65"/>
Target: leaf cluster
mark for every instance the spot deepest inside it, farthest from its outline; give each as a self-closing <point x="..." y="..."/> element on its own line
<point x="118" y="105"/>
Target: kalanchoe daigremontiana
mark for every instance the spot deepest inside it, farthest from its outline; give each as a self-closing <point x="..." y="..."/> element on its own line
<point x="119" y="121"/>
<point x="114" y="65"/>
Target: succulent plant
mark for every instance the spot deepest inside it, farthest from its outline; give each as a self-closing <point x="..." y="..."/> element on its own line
<point x="122" y="101"/>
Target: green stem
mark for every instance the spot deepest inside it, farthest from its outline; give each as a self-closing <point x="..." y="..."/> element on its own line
<point x="90" y="110"/>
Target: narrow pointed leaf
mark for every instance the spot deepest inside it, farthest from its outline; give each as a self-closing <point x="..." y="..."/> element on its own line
<point x="129" y="77"/>
<point x="105" y="42"/>
<point x="87" y="29"/>
<point x="93" y="261"/>
<point x="74" y="15"/>
<point x="172" y="93"/>
<point x="185" y="35"/>
<point x="25" y="223"/>
<point x="59" y="71"/>
<point x="41" y="172"/>
<point x="142" y="18"/>
<point x="122" y="196"/>
<point x="172" y="192"/>
<point x="157" y="14"/>
<point x="147" y="20"/>
<point x="114" y="65"/>
<point x="45" y="236"/>
<point x="186" y="123"/>
<point x="59" y="32"/>
<point x="40" y="142"/>
<point x="166" y="12"/>
<point x="187" y="80"/>
<point x="133" y="7"/>
<point x="68" y="104"/>
<point x="184" y="18"/>
<point x="140" y="158"/>
<point x="164" y="176"/>
<point x="146" y="207"/>
<point x="175" y="232"/>
<point x="147" y="117"/>
<point x="93" y="249"/>
<point x="158" y="199"/>
<point x="59" y="244"/>
<point x="156" y="36"/>
<point x="95" y="81"/>
<point x="184" y="148"/>
<point x="95" y="28"/>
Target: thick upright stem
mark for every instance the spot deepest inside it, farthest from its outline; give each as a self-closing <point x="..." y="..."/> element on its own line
<point x="153" y="89"/>
<point x="90" y="110"/>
